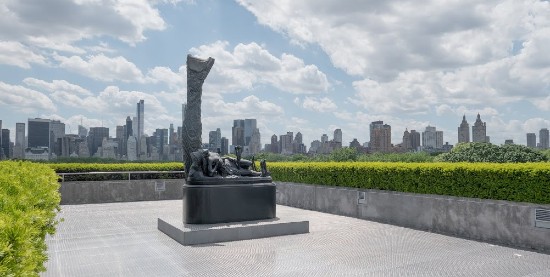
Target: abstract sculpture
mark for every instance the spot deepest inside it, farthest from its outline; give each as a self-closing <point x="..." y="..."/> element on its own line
<point x="218" y="189"/>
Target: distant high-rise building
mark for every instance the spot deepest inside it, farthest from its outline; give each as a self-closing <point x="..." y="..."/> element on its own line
<point x="432" y="139"/>
<point x="95" y="138"/>
<point x="131" y="148"/>
<point x="285" y="143"/>
<point x="140" y="117"/>
<point x="255" y="144"/>
<point x="298" y="138"/>
<point x="57" y="131"/>
<point x="415" y="140"/>
<point x="508" y="141"/>
<point x="19" y="151"/>
<point x="6" y="143"/>
<point x="1" y="151"/>
<point x="161" y="139"/>
<point x="324" y="138"/>
<point x="274" y="144"/>
<point x="464" y="131"/>
<point x="215" y="140"/>
<point x="479" y="131"/>
<point x="380" y="137"/>
<point x="238" y="133"/>
<point x="315" y="145"/>
<point x="338" y="135"/>
<point x="224" y="146"/>
<point x="121" y="139"/>
<point x="406" y="144"/>
<point x="39" y="133"/>
<point x="129" y="127"/>
<point x="171" y="134"/>
<point x="298" y="147"/>
<point x="543" y="138"/>
<point x="531" y="140"/>
<point x="250" y="126"/>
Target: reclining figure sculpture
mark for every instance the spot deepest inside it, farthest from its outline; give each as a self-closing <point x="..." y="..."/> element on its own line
<point x="206" y="164"/>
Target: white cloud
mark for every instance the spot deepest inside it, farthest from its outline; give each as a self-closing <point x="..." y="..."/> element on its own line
<point x="319" y="104"/>
<point x="23" y="99"/>
<point x="462" y="110"/>
<point x="248" y="106"/>
<point x="56" y="85"/>
<point x="167" y="76"/>
<point x="410" y="59"/>
<point x="250" y="64"/>
<point x="103" y="68"/>
<point x="59" y="23"/>
<point x="17" y="54"/>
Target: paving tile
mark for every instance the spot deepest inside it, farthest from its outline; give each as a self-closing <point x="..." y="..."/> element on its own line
<point x="121" y="239"/>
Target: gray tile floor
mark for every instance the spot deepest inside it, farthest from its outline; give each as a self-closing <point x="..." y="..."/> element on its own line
<point x="121" y="239"/>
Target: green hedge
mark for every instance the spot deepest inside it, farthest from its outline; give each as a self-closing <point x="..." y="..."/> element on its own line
<point x="29" y="201"/>
<point x="98" y="167"/>
<point x="529" y="182"/>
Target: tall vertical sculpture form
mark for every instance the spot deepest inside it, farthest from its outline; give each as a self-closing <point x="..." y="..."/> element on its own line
<point x="197" y="71"/>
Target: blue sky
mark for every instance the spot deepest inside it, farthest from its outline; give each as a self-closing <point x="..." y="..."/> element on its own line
<point x="308" y="66"/>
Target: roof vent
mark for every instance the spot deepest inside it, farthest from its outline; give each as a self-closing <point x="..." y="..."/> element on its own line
<point x="542" y="218"/>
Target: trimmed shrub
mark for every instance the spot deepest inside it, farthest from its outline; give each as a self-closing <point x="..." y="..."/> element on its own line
<point x="486" y="152"/>
<point x="29" y="201"/>
<point x="528" y="182"/>
<point x="98" y="167"/>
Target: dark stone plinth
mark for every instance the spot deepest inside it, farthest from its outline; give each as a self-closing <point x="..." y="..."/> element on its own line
<point x="222" y="203"/>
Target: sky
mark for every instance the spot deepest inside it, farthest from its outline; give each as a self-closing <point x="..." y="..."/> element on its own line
<point x="310" y="66"/>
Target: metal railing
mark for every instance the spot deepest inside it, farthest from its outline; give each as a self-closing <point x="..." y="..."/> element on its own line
<point x="62" y="175"/>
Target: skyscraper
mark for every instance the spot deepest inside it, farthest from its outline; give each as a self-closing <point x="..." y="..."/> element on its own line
<point x="6" y="143"/>
<point x="250" y="126"/>
<point x="129" y="127"/>
<point x="406" y="144"/>
<point x="380" y="137"/>
<point x="285" y="143"/>
<point x="415" y="140"/>
<point x="225" y="146"/>
<point x="57" y="131"/>
<point x="274" y="144"/>
<point x="324" y="138"/>
<point x="215" y="140"/>
<point x="464" y="131"/>
<point x="1" y="152"/>
<point x="543" y="138"/>
<point x="432" y="139"/>
<point x="255" y="144"/>
<point x="479" y="131"/>
<point x="140" y="117"/>
<point x="338" y="135"/>
<point x="39" y="132"/>
<point x="19" y="151"/>
<point x="531" y="140"/>
<point x="95" y="138"/>
<point x="238" y="133"/>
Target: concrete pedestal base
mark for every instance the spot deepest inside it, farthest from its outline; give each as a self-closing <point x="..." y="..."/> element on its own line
<point x="190" y="234"/>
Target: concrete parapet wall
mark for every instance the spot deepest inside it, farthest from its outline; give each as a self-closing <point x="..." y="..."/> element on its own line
<point x="90" y="192"/>
<point x="500" y="222"/>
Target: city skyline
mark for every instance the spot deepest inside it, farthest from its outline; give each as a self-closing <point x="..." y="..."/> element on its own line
<point x="294" y="66"/>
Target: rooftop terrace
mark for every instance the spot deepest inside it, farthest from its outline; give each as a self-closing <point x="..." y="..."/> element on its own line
<point x="121" y="239"/>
